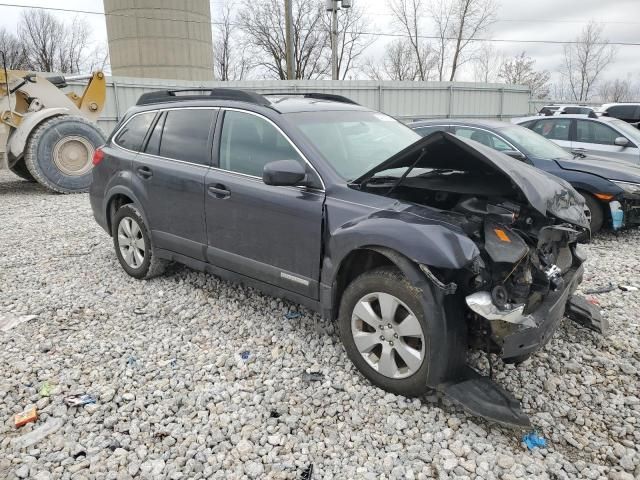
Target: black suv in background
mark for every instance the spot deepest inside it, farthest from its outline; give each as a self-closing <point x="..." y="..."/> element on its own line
<point x="629" y="112"/>
<point x="419" y="248"/>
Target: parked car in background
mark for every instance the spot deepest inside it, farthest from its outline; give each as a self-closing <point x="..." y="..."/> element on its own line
<point x="551" y="110"/>
<point x="628" y="112"/>
<point x="418" y="248"/>
<point x="611" y="188"/>
<point x="606" y="137"/>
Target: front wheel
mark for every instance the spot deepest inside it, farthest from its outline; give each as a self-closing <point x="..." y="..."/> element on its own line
<point x="384" y="331"/>
<point x="133" y="245"/>
<point x="597" y="213"/>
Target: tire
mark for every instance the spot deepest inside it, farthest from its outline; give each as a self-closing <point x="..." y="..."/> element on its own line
<point x="59" y="153"/>
<point x="127" y="224"/>
<point x="20" y="169"/>
<point x="597" y="214"/>
<point x="410" y="380"/>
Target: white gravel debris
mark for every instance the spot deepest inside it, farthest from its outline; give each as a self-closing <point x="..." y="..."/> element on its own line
<point x="175" y="399"/>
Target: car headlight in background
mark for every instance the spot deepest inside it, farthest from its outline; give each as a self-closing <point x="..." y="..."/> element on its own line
<point x="629" y="187"/>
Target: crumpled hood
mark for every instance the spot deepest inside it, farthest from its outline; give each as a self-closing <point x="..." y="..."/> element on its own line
<point x="545" y="193"/>
<point x="608" y="168"/>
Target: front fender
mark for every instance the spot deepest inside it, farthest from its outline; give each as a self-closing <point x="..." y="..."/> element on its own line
<point x="434" y="244"/>
<point x="30" y="121"/>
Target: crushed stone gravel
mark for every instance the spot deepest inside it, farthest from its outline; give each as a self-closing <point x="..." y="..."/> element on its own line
<point x="178" y="396"/>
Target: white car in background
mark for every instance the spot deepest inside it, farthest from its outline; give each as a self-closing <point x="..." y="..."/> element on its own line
<point x="603" y="136"/>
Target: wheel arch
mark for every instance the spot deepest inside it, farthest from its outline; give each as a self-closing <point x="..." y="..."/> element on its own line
<point x="364" y="259"/>
<point x="117" y="197"/>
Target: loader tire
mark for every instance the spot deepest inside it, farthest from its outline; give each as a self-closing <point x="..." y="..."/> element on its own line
<point x="59" y="153"/>
<point x="20" y="169"/>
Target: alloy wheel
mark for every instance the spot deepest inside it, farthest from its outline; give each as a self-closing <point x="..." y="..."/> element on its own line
<point x="131" y="242"/>
<point x="388" y="335"/>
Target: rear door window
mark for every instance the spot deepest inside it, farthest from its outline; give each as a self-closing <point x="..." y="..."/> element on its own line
<point x="186" y="135"/>
<point x="593" y="132"/>
<point x="134" y="131"/>
<point x="153" y="144"/>
<point x="554" y="129"/>
<point x="622" y="111"/>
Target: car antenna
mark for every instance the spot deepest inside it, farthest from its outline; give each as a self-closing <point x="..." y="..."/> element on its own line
<point x="407" y="172"/>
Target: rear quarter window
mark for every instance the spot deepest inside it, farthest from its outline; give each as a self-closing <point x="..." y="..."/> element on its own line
<point x="134" y="130"/>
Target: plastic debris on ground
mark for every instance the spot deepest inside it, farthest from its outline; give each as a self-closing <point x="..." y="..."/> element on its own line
<point x="45" y="390"/>
<point x="593" y="301"/>
<point x="37" y="434"/>
<point x="307" y="473"/>
<point x="534" y="440"/>
<point x="22" y="418"/>
<point x="292" y="315"/>
<point x="245" y="355"/>
<point x="628" y="288"/>
<point x="79" y="400"/>
<point x="312" y="377"/>
<point x="609" y="288"/>
<point x="8" y="322"/>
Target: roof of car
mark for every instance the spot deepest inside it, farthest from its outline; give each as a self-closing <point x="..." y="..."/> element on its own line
<point x="558" y="117"/>
<point x="479" y="122"/>
<point x="286" y="102"/>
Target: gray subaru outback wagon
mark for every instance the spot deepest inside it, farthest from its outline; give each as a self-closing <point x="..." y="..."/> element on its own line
<point x="419" y="248"/>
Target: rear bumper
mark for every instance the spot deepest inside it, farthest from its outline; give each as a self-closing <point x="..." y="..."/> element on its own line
<point x="526" y="340"/>
<point x="99" y="212"/>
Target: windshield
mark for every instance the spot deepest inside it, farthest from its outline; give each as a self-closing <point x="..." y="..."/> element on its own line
<point x="354" y="142"/>
<point x="532" y="144"/>
<point x="629" y="131"/>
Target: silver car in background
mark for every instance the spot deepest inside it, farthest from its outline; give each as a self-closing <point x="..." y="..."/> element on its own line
<point x="603" y="136"/>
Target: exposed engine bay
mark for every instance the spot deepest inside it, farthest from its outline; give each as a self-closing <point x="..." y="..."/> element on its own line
<point x="525" y="224"/>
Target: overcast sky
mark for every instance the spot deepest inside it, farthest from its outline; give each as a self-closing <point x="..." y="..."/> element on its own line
<point x="517" y="20"/>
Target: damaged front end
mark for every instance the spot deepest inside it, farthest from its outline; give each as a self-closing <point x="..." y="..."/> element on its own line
<point x="526" y="225"/>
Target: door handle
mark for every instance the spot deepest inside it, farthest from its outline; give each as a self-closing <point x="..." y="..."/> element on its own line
<point x="219" y="191"/>
<point x="144" y="172"/>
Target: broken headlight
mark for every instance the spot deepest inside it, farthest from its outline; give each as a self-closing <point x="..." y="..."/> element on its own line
<point x="628" y="187"/>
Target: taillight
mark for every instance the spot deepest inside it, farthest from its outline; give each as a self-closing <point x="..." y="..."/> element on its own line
<point x="98" y="155"/>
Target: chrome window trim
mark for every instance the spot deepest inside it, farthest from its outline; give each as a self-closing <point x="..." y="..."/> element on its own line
<point x="117" y="132"/>
<point x="492" y="133"/>
<point x="295" y="147"/>
<point x="253" y="177"/>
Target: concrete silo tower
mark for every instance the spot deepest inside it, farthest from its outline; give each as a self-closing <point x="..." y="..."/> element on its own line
<point x="160" y="38"/>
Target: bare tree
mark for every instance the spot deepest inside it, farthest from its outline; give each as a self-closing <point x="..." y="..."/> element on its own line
<point x="51" y="45"/>
<point x="398" y="63"/>
<point x="585" y="60"/>
<point x="352" y="42"/>
<point x="263" y="22"/>
<point x="520" y="70"/>
<point x="470" y="18"/>
<point x="14" y="52"/>
<point x="486" y="64"/>
<point x="230" y="61"/>
<point x="617" y="91"/>
<point x="407" y="15"/>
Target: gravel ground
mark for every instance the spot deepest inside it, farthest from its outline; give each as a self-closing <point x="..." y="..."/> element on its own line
<point x="199" y="378"/>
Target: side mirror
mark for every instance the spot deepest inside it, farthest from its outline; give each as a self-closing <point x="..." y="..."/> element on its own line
<point x="515" y="154"/>
<point x="621" y="141"/>
<point x="287" y="173"/>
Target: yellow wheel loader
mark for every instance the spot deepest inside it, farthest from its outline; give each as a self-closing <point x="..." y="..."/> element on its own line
<point x="46" y="135"/>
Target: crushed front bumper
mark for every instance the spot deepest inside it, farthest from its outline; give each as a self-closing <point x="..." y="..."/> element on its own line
<point x="520" y="335"/>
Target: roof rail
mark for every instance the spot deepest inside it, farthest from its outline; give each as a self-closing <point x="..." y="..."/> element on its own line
<point x="163" y="96"/>
<point x="316" y="95"/>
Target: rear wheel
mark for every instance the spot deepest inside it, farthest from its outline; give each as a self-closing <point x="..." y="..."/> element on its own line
<point x="20" y="169"/>
<point x="597" y="213"/>
<point x="59" y="153"/>
<point x="384" y="331"/>
<point x="133" y="245"/>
